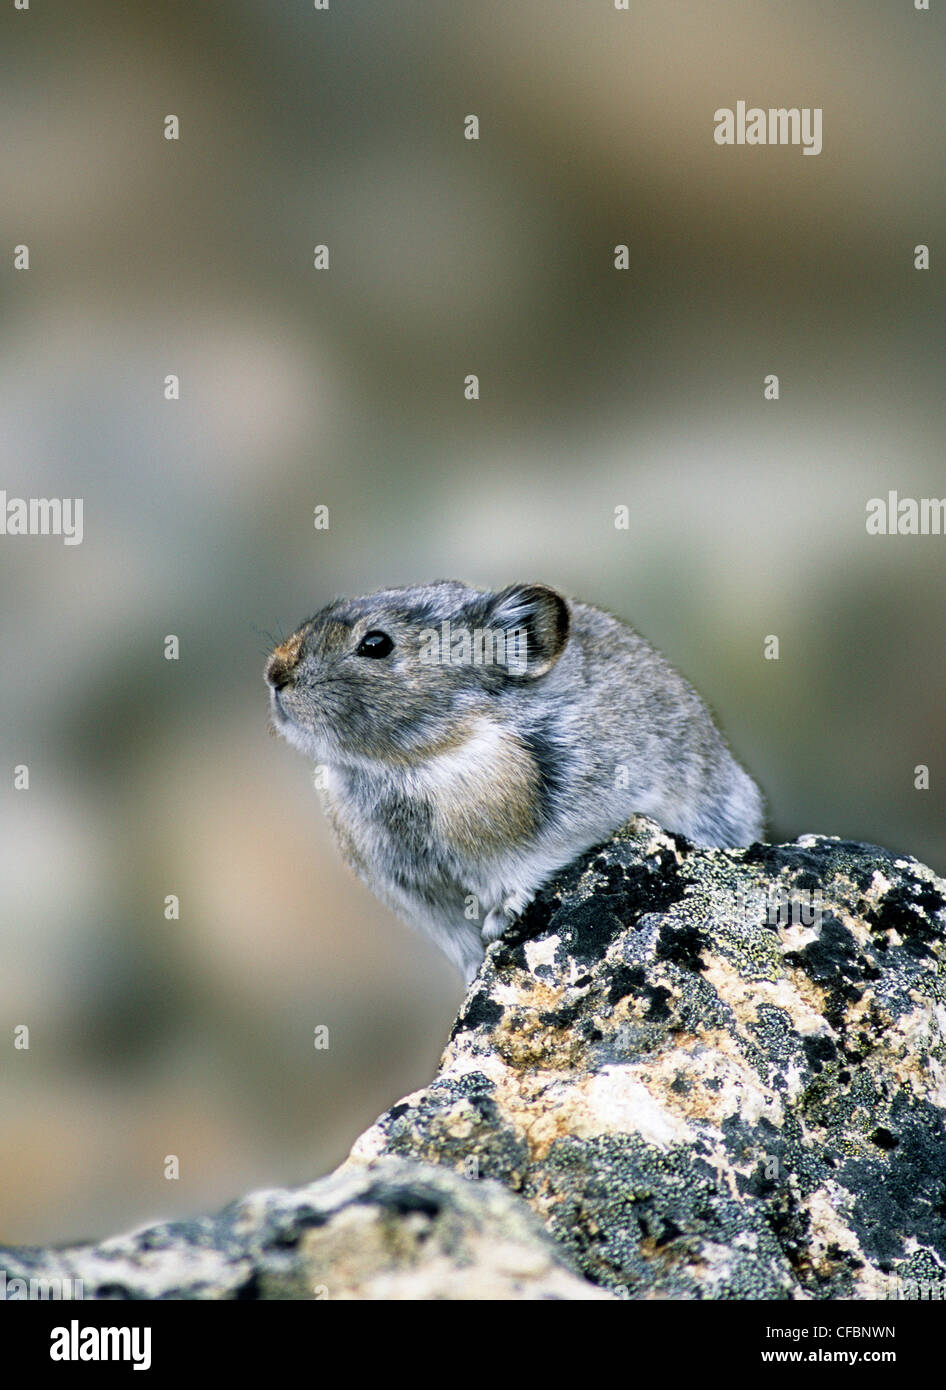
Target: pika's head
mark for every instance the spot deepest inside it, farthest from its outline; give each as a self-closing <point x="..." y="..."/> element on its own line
<point x="400" y="675"/>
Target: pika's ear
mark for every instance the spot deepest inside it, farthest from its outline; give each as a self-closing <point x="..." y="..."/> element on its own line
<point x="536" y="622"/>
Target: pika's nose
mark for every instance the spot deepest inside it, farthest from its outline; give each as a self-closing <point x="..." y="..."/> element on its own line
<point x="283" y="662"/>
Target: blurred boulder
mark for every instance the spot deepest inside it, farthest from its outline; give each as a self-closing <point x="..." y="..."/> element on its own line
<point x="399" y="1230"/>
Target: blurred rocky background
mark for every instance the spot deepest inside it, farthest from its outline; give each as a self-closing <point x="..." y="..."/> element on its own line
<point x="344" y="388"/>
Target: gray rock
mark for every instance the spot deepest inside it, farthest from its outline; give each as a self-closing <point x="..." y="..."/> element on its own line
<point x="709" y="1074"/>
<point x="397" y="1230"/>
<point x="700" y="1094"/>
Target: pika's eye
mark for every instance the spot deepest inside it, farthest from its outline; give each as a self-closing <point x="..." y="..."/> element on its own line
<point x="374" y="644"/>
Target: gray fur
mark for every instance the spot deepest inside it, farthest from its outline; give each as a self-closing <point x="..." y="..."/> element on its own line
<point x="456" y="790"/>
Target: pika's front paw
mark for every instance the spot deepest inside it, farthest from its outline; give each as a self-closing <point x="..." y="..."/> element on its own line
<point x="500" y="918"/>
<point x="495" y="924"/>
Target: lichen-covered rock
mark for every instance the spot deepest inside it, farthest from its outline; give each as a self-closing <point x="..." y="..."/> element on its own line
<point x="399" y="1230"/>
<point x="713" y="1074"/>
<point x="710" y="1073"/>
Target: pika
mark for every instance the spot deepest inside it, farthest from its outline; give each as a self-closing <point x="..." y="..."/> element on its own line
<point x="473" y="743"/>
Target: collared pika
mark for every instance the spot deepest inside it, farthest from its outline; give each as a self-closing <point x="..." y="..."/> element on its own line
<point x="471" y="744"/>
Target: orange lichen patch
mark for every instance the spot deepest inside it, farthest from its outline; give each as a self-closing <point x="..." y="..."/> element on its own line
<point x="664" y="1255"/>
<point x="640" y="1098"/>
<point x="856" y="925"/>
<point x="707" y="1078"/>
<point x="519" y="1039"/>
<point x="906" y="1050"/>
<point x="526" y="998"/>
<point x="857" y="1011"/>
<point x="802" y="1000"/>
<point x="878" y="888"/>
<point x="645" y="1096"/>
<point x="829" y="1229"/>
<point x="613" y="1100"/>
<point x="812" y="996"/>
<point x="552" y="1099"/>
<point x="796" y="936"/>
<point x="461" y="1120"/>
<point x="525" y="1042"/>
